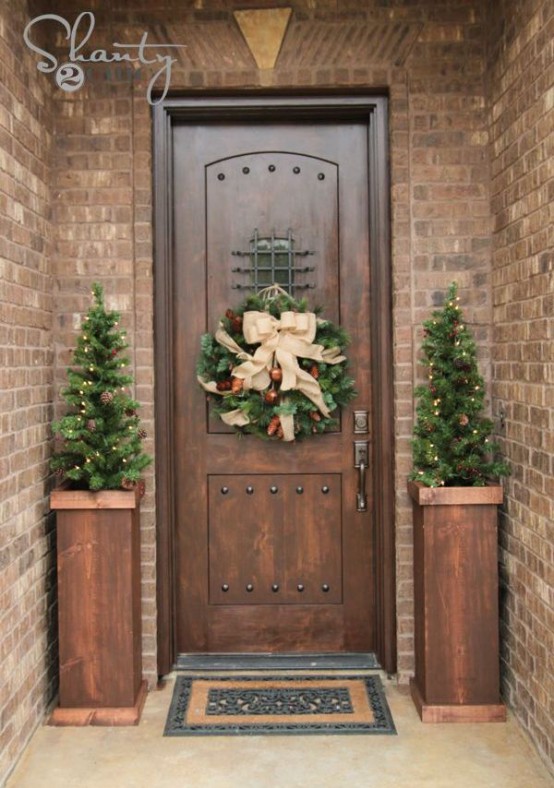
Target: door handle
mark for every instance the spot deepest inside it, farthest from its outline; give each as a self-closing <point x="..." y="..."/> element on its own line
<point x="361" y="500"/>
<point x="361" y="457"/>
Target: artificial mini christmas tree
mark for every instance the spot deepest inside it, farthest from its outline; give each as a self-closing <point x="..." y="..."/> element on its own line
<point x="452" y="445"/>
<point x="101" y="437"/>
<point x="455" y="531"/>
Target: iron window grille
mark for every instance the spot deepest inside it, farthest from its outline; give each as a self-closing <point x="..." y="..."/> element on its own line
<point x="273" y="260"/>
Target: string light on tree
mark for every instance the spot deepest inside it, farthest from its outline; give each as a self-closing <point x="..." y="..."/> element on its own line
<point x="458" y="456"/>
<point x="97" y="388"/>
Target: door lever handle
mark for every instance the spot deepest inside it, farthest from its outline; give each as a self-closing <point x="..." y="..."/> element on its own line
<point x="361" y="500"/>
<point x="361" y="457"/>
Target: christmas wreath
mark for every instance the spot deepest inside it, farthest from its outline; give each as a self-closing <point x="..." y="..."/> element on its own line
<point x="275" y="368"/>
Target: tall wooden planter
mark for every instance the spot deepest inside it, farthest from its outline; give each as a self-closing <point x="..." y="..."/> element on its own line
<point x="456" y="604"/>
<point x="99" y="608"/>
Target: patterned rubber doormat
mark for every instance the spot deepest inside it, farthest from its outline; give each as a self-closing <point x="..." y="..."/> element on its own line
<point x="299" y="704"/>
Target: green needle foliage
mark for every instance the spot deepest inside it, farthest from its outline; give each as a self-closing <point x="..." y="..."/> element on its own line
<point x="451" y="444"/>
<point x="100" y="437"/>
<point x="337" y="387"/>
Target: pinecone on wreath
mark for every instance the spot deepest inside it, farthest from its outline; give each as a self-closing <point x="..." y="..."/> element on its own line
<point x="265" y="409"/>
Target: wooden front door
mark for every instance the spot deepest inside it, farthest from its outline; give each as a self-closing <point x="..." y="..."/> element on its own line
<point x="271" y="554"/>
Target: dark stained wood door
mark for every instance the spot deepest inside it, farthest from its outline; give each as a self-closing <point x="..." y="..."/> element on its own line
<point x="271" y="554"/>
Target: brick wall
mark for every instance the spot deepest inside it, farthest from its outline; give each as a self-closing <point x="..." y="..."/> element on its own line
<point x="430" y="58"/>
<point x="449" y="227"/>
<point x="521" y="90"/>
<point x="27" y="640"/>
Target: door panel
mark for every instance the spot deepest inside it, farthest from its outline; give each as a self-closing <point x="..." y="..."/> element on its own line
<point x="267" y="191"/>
<point x="286" y="544"/>
<point x="305" y="184"/>
<point x="245" y="564"/>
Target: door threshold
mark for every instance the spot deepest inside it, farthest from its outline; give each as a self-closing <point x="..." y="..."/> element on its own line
<point x="351" y="661"/>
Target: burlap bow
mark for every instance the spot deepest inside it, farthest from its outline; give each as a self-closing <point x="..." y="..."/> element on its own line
<point x="284" y="341"/>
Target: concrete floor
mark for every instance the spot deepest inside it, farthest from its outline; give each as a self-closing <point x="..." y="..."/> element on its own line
<point x="454" y="755"/>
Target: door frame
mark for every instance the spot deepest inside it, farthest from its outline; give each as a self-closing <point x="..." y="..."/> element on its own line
<point x="372" y="110"/>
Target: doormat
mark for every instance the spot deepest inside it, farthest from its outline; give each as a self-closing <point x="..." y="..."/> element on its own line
<point x="298" y="704"/>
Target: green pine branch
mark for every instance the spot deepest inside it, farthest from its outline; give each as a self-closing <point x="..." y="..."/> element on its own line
<point x="452" y="442"/>
<point x="100" y="438"/>
<point x="216" y="362"/>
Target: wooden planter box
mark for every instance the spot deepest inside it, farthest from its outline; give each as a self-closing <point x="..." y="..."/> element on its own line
<point x="99" y="608"/>
<point x="456" y="604"/>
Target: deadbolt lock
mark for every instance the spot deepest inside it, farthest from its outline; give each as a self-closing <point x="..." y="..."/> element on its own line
<point x="361" y="422"/>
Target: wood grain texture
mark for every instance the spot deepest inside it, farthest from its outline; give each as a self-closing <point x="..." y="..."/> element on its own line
<point x="273" y="178"/>
<point x="490" y="712"/>
<point x="171" y="197"/>
<point x="456" y="604"/>
<point x="286" y="630"/>
<point x="163" y="382"/>
<point x="442" y="496"/>
<point x="99" y="609"/>
<point x="84" y="499"/>
<point x="113" y="717"/>
<point x="272" y="542"/>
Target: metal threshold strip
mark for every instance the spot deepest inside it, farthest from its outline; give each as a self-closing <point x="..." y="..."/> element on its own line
<point x="351" y="661"/>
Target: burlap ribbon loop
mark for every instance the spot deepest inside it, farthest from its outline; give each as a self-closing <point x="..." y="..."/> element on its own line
<point x="283" y="340"/>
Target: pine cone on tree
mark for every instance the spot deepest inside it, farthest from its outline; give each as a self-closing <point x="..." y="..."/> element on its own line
<point x="449" y="349"/>
<point x="97" y="444"/>
<point x="127" y="484"/>
<point x="142" y="434"/>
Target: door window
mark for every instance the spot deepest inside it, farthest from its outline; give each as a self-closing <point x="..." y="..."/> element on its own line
<point x="272" y="260"/>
